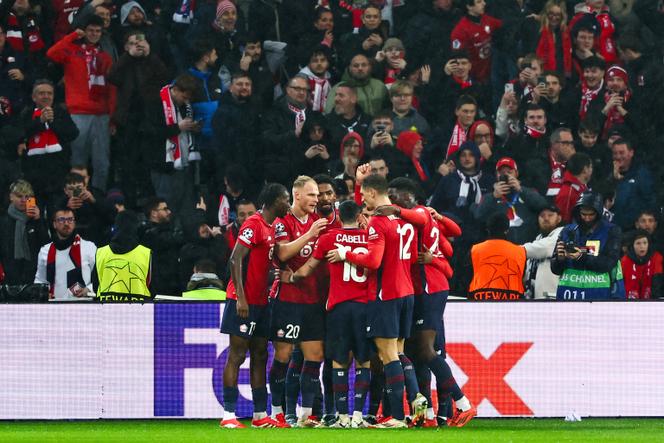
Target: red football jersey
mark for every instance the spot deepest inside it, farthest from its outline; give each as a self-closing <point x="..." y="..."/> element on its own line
<point x="321" y="273"/>
<point x="476" y="39"/>
<point x="392" y="244"/>
<point x="348" y="282"/>
<point x="429" y="278"/>
<point x="258" y="236"/>
<point x="288" y="229"/>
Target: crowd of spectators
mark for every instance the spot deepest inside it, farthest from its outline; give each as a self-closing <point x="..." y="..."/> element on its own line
<point x="181" y="110"/>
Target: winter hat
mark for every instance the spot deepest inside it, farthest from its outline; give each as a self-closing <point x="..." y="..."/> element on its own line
<point x="393" y="43"/>
<point x="407" y="140"/>
<point x="223" y="6"/>
<point x="126" y="9"/>
<point x="617" y="71"/>
<point x="356" y="136"/>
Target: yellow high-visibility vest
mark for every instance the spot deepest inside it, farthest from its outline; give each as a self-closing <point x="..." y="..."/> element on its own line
<point x="123" y="277"/>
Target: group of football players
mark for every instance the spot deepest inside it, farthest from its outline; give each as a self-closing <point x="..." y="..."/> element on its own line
<point x="365" y="286"/>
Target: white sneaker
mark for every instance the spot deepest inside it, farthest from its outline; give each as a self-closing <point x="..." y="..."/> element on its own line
<point x="359" y="423"/>
<point x="419" y="408"/>
<point x="392" y="423"/>
<point x="341" y="423"/>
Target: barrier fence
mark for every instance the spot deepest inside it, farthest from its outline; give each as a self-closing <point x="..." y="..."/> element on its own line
<point x="86" y="361"/>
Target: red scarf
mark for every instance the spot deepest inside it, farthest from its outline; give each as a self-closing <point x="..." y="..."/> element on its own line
<point x="356" y="15"/>
<point x="174" y="143"/>
<point x="44" y="142"/>
<point x="457" y="139"/>
<point x="613" y="117"/>
<point x="587" y="96"/>
<point x="320" y="88"/>
<point x="391" y="75"/>
<point x="96" y="78"/>
<point x="556" y="179"/>
<point x="15" y="34"/>
<point x="534" y="132"/>
<point x="75" y="275"/>
<point x="546" y="50"/>
<point x="463" y="83"/>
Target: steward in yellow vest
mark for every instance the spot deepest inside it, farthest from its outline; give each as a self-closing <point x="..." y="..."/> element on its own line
<point x="123" y="268"/>
<point x="498" y="264"/>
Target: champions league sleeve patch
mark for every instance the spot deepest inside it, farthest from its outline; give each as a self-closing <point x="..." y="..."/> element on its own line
<point x="279" y="230"/>
<point x="247" y="234"/>
<point x="456" y="44"/>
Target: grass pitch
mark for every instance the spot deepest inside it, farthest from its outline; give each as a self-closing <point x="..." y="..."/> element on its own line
<point x="199" y="431"/>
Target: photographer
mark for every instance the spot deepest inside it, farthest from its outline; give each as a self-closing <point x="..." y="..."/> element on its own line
<point x="587" y="254"/>
<point x="519" y="203"/>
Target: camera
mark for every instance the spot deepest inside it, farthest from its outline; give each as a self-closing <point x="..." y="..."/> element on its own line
<point x="570" y="247"/>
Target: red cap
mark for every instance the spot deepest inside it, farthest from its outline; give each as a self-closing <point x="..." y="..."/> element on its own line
<point x="506" y="161"/>
<point x="617" y="71"/>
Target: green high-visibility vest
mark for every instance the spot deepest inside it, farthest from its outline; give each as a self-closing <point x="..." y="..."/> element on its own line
<point x="205" y="294"/>
<point x="123" y="277"/>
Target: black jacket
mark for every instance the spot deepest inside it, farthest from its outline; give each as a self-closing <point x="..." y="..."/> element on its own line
<point x="236" y="129"/>
<point x="18" y="272"/>
<point x="165" y="241"/>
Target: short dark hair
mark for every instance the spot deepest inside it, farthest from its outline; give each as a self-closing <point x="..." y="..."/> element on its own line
<point x="94" y="20"/>
<point x="205" y="265"/>
<point x="384" y="113"/>
<point x="376" y="182"/>
<point x="131" y="33"/>
<point x="594" y="62"/>
<point x="459" y="53"/>
<point x="348" y="211"/>
<point x="250" y="37"/>
<point x="624" y="141"/>
<point x="73" y="178"/>
<point x="152" y="204"/>
<point x="497" y="225"/>
<point x="324" y="179"/>
<point x="271" y="192"/>
<point x="62" y="208"/>
<point x="200" y="48"/>
<point x="640" y="233"/>
<point x="561" y="78"/>
<point x="533" y="107"/>
<point x="240" y="74"/>
<point x="589" y="125"/>
<point x="186" y="83"/>
<point x="648" y="212"/>
<point x="42" y="81"/>
<point x="465" y="100"/>
<point x="404" y="184"/>
<point x="578" y="162"/>
<point x="245" y="201"/>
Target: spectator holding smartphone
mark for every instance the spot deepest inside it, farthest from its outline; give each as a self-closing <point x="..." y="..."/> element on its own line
<point x="22" y="232"/>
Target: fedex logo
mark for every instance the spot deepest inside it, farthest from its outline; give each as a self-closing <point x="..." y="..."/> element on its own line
<point x="173" y="356"/>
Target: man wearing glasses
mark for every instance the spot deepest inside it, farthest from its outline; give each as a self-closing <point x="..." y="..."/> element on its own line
<point x="66" y="264"/>
<point x="282" y="133"/>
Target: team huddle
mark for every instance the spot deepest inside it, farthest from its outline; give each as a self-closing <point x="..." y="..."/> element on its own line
<point x="365" y="285"/>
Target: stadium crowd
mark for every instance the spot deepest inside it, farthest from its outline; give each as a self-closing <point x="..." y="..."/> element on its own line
<point x="182" y="110"/>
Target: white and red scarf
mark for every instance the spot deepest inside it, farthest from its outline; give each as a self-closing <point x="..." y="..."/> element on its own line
<point x="44" y="142"/>
<point x="457" y="139"/>
<point x="74" y="254"/>
<point x="587" y="96"/>
<point x="556" y="179"/>
<point x="320" y="89"/>
<point x="96" y="78"/>
<point x="300" y="115"/>
<point x="176" y="143"/>
<point x="534" y="132"/>
<point x="613" y="117"/>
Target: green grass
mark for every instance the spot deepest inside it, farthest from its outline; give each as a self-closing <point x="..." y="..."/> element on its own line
<point x="199" y="431"/>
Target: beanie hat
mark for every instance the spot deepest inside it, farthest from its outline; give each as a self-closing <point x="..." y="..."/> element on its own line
<point x="407" y="140"/>
<point x="223" y="6"/>
<point x="617" y="71"/>
<point x="393" y="43"/>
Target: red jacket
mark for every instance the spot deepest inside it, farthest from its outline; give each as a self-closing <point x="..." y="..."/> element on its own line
<point x="568" y="195"/>
<point x="639" y="277"/>
<point x="79" y="96"/>
<point x="476" y="39"/>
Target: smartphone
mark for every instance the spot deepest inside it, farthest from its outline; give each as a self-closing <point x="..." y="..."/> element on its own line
<point x="140" y="37"/>
<point x="76" y="192"/>
<point x="30" y="203"/>
<point x="541" y="80"/>
<point x="509" y="87"/>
